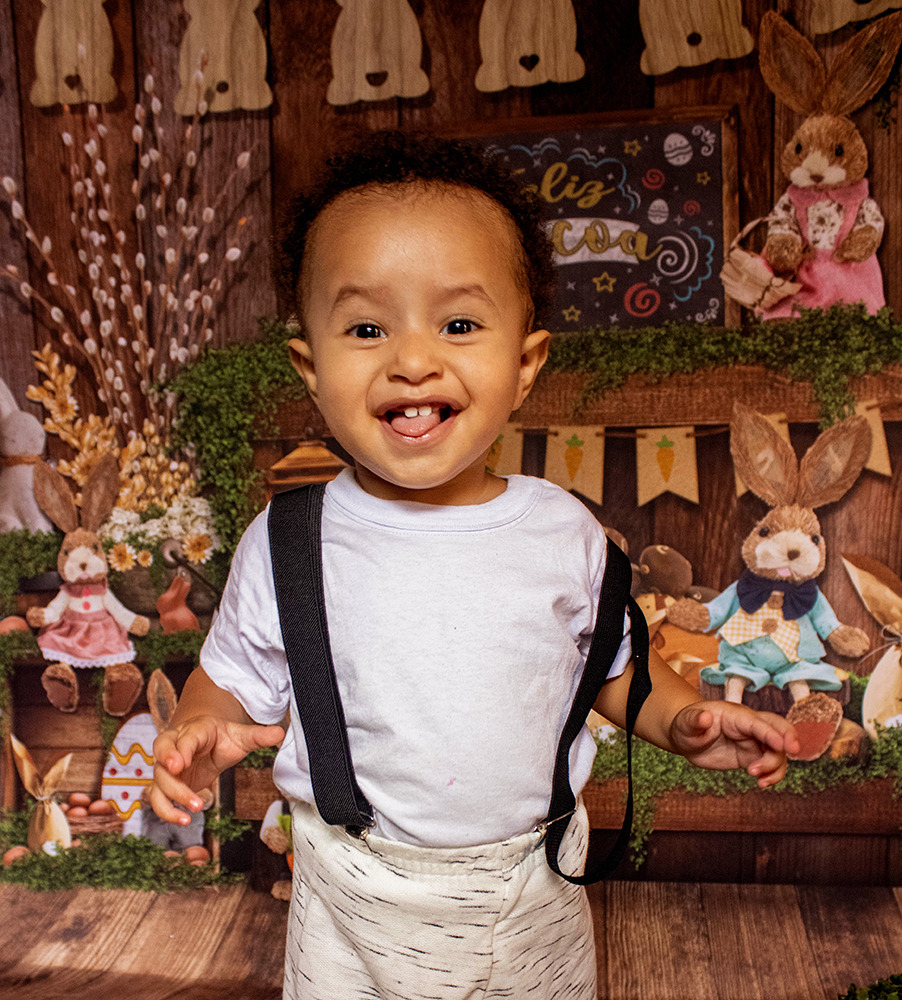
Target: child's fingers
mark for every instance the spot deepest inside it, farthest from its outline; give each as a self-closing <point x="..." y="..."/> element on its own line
<point x="769" y="768"/>
<point x="258" y="737"/>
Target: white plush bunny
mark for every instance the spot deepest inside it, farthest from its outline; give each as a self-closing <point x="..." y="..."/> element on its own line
<point x="21" y="445"/>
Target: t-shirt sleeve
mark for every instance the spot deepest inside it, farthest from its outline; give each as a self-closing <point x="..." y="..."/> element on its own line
<point x="243" y="651"/>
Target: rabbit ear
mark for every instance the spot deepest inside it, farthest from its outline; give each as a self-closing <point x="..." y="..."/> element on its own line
<point x="879" y="588"/>
<point x="100" y="492"/>
<point x="790" y="64"/>
<point x="764" y="461"/>
<point x="54" y="497"/>
<point x="25" y="766"/>
<point x="161" y="699"/>
<point x="862" y="66"/>
<point x="53" y="778"/>
<point x="834" y="462"/>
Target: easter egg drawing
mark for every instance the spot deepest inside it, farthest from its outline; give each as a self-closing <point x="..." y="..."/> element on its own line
<point x="658" y="212"/>
<point x="129" y="770"/>
<point x="677" y="149"/>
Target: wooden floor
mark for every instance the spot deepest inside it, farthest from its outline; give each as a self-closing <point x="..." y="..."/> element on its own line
<point x="664" y="940"/>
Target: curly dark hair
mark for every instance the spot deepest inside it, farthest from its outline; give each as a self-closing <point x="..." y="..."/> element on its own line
<point x="386" y="158"/>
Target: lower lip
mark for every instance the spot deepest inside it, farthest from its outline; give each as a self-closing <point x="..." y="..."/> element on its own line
<point x="423" y="440"/>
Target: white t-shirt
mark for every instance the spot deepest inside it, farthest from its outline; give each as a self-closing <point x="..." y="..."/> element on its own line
<point x="458" y="636"/>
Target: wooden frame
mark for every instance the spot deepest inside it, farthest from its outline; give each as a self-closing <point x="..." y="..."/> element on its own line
<point x="642" y="208"/>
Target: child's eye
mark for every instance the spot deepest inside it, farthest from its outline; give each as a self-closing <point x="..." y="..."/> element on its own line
<point x="366" y="331"/>
<point x="459" y="326"/>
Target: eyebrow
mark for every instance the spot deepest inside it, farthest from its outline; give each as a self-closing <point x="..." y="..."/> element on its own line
<point x="346" y="292"/>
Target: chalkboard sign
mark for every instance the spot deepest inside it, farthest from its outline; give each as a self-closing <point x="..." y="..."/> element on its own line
<point x="640" y="209"/>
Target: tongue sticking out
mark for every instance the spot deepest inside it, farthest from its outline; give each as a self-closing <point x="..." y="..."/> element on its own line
<point x="415" y="422"/>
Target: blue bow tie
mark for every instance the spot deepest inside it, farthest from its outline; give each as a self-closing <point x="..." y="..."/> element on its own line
<point x="753" y="592"/>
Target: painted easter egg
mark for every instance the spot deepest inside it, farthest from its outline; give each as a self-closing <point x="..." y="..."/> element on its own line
<point x="129" y="770"/>
<point x="658" y="212"/>
<point x="677" y="149"/>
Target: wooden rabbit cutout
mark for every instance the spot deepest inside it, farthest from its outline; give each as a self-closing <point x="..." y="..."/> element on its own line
<point x="690" y="33"/>
<point x="73" y="54"/>
<point x="225" y="44"/>
<point x="376" y="52"/>
<point x="527" y="42"/>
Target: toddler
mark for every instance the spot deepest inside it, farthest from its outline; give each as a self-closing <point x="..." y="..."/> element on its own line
<point x="460" y="605"/>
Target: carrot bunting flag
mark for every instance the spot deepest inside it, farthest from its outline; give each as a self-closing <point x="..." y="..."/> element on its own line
<point x="665" y="463"/>
<point x="505" y="457"/>
<point x="574" y="459"/>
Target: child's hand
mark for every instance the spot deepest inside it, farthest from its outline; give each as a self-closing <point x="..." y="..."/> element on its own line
<point x="722" y="735"/>
<point x="191" y="756"/>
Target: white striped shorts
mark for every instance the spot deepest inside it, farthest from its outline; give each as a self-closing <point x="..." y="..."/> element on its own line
<point x="384" y="920"/>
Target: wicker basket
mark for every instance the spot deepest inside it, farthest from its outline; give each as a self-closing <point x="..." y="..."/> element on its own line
<point x="84" y="826"/>
<point x="748" y="279"/>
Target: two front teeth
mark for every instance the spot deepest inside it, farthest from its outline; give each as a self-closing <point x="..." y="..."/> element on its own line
<point x="418" y="411"/>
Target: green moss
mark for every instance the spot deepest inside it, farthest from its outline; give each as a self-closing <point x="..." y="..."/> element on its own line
<point x="107" y="861"/>
<point x="823" y="348"/>
<point x="259" y="759"/>
<point x="883" y="989"/>
<point x="23" y="554"/>
<point x="224" y="827"/>
<point x="656" y="772"/>
<point x="226" y="396"/>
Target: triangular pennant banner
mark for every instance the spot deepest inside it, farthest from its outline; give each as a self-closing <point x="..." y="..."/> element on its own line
<point x="665" y="463"/>
<point x="879" y="457"/>
<point x="574" y="459"/>
<point x="781" y="426"/>
<point x="505" y="457"/>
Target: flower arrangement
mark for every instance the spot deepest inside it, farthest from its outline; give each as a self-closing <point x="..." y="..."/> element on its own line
<point x="147" y="283"/>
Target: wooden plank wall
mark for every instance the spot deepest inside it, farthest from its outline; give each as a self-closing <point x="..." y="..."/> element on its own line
<point x="288" y="139"/>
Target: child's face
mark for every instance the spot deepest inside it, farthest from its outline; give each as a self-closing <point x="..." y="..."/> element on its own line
<point x="416" y="349"/>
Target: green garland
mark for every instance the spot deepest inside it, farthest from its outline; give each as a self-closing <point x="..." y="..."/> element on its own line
<point x="883" y="989"/>
<point x="657" y="772"/>
<point x="223" y="399"/>
<point x="24" y="554"/>
<point x="825" y="348"/>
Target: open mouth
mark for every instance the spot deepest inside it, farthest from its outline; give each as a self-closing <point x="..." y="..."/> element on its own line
<point x="417" y="420"/>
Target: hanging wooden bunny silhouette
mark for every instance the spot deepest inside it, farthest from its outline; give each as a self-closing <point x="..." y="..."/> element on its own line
<point x="829" y="15"/>
<point x="690" y="33"/>
<point x="73" y="54"/>
<point x="224" y="41"/>
<point x="527" y="42"/>
<point x="376" y="52"/>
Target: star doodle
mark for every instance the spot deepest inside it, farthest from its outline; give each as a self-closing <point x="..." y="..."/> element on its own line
<point x="703" y="177"/>
<point x="604" y="282"/>
<point x="572" y="314"/>
<point x="632" y="147"/>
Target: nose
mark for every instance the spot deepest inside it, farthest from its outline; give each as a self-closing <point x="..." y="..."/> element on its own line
<point x="416" y="357"/>
<point x="792" y="554"/>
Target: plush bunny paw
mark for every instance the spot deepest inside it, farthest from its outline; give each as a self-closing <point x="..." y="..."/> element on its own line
<point x="783" y="251"/>
<point x="689" y="615"/>
<point x="848" y="640"/>
<point x="61" y="685"/>
<point x="122" y="684"/>
<point x="860" y="244"/>
<point x="816" y="718"/>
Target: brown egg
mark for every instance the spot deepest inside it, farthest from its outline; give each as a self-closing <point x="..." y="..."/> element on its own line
<point x="14" y="853"/>
<point x="64" y="807"/>
<point x="100" y="807"/>
<point x="80" y="799"/>
<point x="76" y="812"/>
<point x="197" y="854"/>
<point x="171" y="854"/>
<point x="14" y="624"/>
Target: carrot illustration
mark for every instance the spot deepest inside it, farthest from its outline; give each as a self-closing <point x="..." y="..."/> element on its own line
<point x="573" y="456"/>
<point x="491" y="460"/>
<point x="665" y="456"/>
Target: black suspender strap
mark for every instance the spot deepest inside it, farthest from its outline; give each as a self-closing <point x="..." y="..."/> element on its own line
<point x="295" y="532"/>
<point x="613" y="602"/>
<point x="295" y="544"/>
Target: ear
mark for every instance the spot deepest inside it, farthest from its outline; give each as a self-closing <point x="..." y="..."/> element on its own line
<point x="533" y="355"/>
<point x="302" y="362"/>
<point x="161" y="700"/>
<point x="790" y="64"/>
<point x="862" y="66"/>
<point x="25" y="766"/>
<point x="833" y="463"/>
<point x="100" y="492"/>
<point x="54" y="497"/>
<point x="763" y="460"/>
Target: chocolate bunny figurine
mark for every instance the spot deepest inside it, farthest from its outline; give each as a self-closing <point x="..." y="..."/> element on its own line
<point x="770" y="622"/>
<point x="825" y="229"/>
<point x="85" y="625"/>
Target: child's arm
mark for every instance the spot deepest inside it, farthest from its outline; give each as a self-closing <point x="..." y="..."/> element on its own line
<point x="209" y="732"/>
<point x="715" y="734"/>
